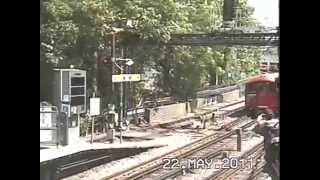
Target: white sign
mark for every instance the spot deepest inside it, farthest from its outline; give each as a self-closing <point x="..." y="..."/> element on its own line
<point x="94" y="106"/>
<point x="74" y="109"/>
<point x="65" y="108"/>
<point x="45" y="118"/>
<point x="45" y="135"/>
<point x="66" y="98"/>
<point x="126" y="77"/>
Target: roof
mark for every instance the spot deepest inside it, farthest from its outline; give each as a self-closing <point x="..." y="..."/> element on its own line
<point x="270" y="77"/>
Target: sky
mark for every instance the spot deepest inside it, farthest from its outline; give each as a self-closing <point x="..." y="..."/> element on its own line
<point x="266" y="11"/>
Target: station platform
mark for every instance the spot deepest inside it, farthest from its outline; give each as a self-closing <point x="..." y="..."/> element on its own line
<point x="54" y="152"/>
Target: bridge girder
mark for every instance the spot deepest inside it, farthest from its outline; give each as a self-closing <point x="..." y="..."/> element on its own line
<point x="242" y="39"/>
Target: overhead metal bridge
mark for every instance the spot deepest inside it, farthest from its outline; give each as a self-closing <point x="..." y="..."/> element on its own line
<point x="226" y="39"/>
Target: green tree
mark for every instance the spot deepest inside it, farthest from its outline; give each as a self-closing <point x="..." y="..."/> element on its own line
<point x="78" y="32"/>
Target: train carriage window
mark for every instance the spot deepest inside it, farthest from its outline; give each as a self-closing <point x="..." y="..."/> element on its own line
<point x="249" y="88"/>
<point x="267" y="87"/>
<point x="254" y="87"/>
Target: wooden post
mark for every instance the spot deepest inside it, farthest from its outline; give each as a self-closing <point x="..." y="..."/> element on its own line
<point x="92" y="128"/>
<point x="239" y="138"/>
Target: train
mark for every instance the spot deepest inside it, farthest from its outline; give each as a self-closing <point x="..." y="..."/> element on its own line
<point x="262" y="95"/>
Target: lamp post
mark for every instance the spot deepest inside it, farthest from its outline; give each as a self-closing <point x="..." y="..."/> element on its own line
<point x="113" y="56"/>
<point x="114" y="33"/>
<point x="118" y="27"/>
<point x="129" y="62"/>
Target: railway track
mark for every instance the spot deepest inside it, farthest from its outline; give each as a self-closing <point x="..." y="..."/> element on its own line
<point x="230" y="173"/>
<point x="200" y="148"/>
<point x="205" y="153"/>
<point x="256" y="172"/>
<point x="74" y="164"/>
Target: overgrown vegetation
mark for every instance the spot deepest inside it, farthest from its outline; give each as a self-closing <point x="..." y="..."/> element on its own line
<point x="78" y="32"/>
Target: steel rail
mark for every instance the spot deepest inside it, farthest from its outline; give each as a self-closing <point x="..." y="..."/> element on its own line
<point x="154" y="164"/>
<point x="257" y="171"/>
<point x="224" y="173"/>
<point x="177" y="172"/>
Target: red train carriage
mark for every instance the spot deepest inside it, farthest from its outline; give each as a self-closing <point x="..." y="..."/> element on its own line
<point x="262" y="95"/>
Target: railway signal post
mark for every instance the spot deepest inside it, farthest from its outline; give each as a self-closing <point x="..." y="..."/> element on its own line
<point x="121" y="78"/>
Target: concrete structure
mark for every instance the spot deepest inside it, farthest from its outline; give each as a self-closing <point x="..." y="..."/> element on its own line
<point x="231" y="96"/>
<point x="216" y="97"/>
<point x="200" y="102"/>
<point x="163" y="113"/>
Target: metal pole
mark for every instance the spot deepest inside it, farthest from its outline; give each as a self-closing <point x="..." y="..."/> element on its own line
<point x="126" y="93"/>
<point x="121" y="106"/>
<point x="58" y="123"/>
<point x="92" y="128"/>
<point x="113" y="58"/>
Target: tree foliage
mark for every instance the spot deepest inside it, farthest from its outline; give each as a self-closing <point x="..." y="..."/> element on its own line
<point x="78" y="32"/>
